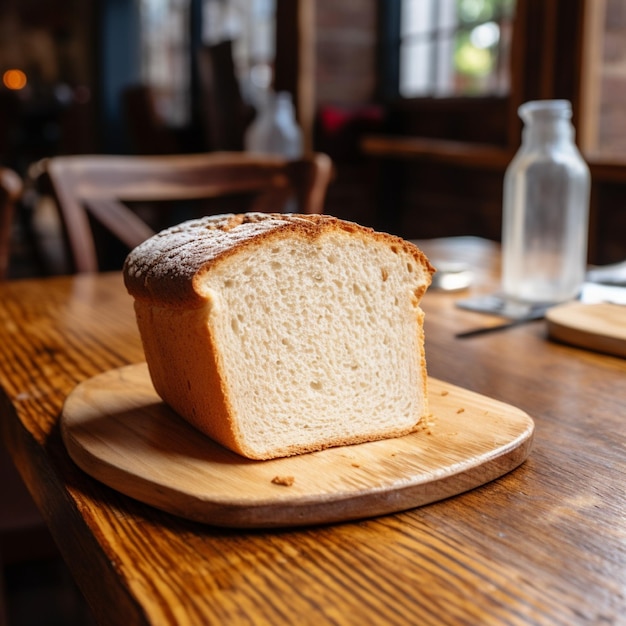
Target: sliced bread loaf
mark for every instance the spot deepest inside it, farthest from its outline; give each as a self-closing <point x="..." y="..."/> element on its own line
<point x="282" y="334"/>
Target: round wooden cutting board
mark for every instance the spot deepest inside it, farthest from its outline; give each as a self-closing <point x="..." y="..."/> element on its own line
<point x="600" y="327"/>
<point x="117" y="429"/>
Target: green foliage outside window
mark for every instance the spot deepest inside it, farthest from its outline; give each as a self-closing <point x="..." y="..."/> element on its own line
<point x="478" y="40"/>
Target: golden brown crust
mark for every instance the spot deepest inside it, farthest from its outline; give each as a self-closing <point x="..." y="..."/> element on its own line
<point x="171" y="340"/>
<point x="168" y="268"/>
<point x="294" y="450"/>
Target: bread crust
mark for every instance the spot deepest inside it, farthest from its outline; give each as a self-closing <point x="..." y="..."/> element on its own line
<point x="172" y="339"/>
<point x="168" y="268"/>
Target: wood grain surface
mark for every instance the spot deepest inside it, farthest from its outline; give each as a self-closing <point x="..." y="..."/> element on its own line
<point x="116" y="428"/>
<point x="600" y="327"/>
<point x="544" y="544"/>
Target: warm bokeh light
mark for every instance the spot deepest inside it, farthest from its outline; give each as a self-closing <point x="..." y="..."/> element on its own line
<point x="14" y="79"/>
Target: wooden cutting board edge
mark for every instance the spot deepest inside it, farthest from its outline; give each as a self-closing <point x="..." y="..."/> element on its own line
<point x="589" y="326"/>
<point x="285" y="510"/>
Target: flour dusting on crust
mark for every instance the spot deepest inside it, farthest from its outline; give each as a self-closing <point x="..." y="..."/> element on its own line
<point x="168" y="267"/>
<point x="165" y="265"/>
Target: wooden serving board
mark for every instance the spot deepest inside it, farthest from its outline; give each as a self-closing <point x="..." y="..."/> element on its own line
<point x="600" y="327"/>
<point x="117" y="429"/>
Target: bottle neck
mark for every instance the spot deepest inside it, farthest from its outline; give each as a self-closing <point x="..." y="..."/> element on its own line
<point x="547" y="122"/>
<point x="543" y="132"/>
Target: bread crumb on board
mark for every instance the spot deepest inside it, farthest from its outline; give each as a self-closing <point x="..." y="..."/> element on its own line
<point x="426" y="424"/>
<point x="283" y="481"/>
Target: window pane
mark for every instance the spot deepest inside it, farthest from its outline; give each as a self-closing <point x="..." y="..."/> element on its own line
<point x="418" y="17"/>
<point x="165" y="56"/>
<point x="455" y="47"/>
<point x="250" y="24"/>
<point x="415" y="68"/>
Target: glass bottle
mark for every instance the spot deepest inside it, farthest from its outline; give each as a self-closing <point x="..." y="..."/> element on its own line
<point x="275" y="130"/>
<point x="546" y="209"/>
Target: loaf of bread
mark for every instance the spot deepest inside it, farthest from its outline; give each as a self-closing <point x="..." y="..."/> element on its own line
<point x="280" y="334"/>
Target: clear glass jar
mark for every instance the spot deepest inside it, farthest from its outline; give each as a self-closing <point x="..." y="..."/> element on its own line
<point x="546" y="209"/>
<point x="275" y="130"/>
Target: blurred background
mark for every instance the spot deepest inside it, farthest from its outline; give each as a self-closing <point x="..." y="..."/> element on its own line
<point x="415" y="100"/>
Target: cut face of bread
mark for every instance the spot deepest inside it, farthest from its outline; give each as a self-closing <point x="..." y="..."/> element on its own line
<point x="305" y="336"/>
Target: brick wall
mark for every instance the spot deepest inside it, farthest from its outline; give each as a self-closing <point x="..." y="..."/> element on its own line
<point x="346" y="51"/>
<point x="611" y="137"/>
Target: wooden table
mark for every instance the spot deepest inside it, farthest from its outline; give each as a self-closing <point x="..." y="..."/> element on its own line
<point x="545" y="544"/>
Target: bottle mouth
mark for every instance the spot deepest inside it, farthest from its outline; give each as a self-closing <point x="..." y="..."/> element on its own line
<point x="545" y="109"/>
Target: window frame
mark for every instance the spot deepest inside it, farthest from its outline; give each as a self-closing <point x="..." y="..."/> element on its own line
<point x="547" y="34"/>
<point x="392" y="39"/>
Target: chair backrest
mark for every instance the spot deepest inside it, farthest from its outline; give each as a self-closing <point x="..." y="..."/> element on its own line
<point x="11" y="188"/>
<point x="146" y="128"/>
<point x="96" y="186"/>
<point x="223" y="113"/>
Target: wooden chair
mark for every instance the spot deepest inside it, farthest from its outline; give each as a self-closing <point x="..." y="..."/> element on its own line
<point x="10" y="191"/>
<point x="147" y="130"/>
<point x="92" y="189"/>
<point x="222" y="111"/>
<point x="23" y="534"/>
<point x="16" y="509"/>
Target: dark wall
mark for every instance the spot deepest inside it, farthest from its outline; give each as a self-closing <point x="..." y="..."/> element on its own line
<point x="119" y="66"/>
